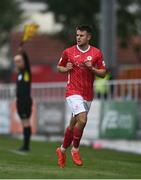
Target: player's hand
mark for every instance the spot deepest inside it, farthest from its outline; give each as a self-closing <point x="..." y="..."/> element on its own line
<point x="69" y="66"/>
<point x="88" y="64"/>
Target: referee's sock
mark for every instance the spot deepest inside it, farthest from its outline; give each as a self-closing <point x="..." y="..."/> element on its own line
<point x="26" y="134"/>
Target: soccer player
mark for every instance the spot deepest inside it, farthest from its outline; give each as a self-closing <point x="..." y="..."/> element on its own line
<point x="23" y="95"/>
<point x="82" y="62"/>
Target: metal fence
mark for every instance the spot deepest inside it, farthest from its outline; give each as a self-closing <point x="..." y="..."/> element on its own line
<point x="51" y="92"/>
<point x="117" y="89"/>
<point x="123" y="89"/>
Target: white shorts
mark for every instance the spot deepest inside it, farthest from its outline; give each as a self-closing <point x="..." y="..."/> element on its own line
<point x="77" y="104"/>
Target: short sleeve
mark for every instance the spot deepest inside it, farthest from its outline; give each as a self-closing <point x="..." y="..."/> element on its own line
<point x="100" y="64"/>
<point x="64" y="59"/>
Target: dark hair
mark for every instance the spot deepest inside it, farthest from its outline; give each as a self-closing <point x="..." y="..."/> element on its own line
<point x="84" y="28"/>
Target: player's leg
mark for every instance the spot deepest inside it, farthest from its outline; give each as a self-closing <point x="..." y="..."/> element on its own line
<point x="80" y="109"/>
<point x="81" y="119"/>
<point x="68" y="137"/>
<point x="79" y="127"/>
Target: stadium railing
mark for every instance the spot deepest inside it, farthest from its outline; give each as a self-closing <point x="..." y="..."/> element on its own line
<point x="123" y="89"/>
<point x="117" y="89"/>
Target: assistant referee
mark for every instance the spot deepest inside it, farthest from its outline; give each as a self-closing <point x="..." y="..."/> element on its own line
<point x="23" y="96"/>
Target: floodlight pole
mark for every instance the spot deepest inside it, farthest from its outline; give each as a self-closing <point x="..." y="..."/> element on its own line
<point x="108" y="32"/>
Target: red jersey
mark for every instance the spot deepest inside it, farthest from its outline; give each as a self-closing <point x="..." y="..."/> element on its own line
<point x="80" y="78"/>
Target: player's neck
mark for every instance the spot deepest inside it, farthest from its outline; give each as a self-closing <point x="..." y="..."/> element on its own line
<point x="83" y="47"/>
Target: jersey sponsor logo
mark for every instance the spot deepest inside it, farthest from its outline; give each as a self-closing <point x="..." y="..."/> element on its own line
<point x="77" y="56"/>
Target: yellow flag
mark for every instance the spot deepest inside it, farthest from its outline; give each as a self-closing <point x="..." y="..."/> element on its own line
<point x="30" y="30"/>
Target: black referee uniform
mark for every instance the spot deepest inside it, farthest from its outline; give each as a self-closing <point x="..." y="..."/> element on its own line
<point x="24" y="100"/>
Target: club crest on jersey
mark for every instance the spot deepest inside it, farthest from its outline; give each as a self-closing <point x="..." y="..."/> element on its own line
<point x="89" y="58"/>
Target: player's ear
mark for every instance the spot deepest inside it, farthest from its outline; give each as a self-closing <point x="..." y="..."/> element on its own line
<point x="89" y="37"/>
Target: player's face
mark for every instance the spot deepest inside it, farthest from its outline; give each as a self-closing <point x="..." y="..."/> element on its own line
<point x="82" y="37"/>
<point x="19" y="62"/>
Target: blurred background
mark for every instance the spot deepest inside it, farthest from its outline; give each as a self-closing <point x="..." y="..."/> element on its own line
<point x="115" y="112"/>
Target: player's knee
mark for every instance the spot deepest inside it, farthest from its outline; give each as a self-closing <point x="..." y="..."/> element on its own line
<point x="82" y="123"/>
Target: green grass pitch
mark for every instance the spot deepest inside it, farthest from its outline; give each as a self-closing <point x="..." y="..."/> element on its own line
<point x="41" y="163"/>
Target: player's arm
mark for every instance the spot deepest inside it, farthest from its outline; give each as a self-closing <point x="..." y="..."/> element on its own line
<point x="64" y="64"/>
<point x="99" y="72"/>
<point x="65" y="69"/>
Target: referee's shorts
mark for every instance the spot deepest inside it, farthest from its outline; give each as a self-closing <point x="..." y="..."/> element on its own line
<point x="24" y="107"/>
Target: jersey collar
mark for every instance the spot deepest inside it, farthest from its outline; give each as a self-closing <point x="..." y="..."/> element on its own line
<point x="82" y="50"/>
